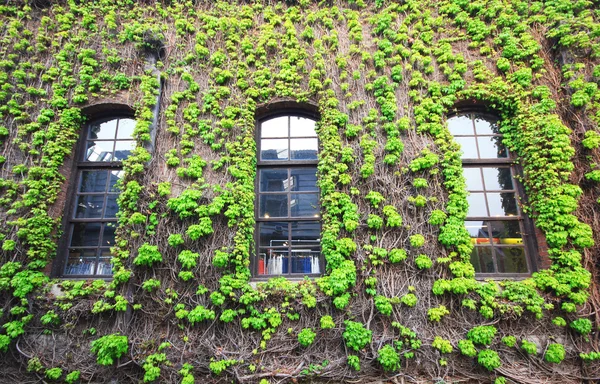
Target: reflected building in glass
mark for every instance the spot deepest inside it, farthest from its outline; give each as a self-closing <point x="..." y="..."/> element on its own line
<point x="494" y="220"/>
<point x="288" y="218"/>
<point x="93" y="216"/>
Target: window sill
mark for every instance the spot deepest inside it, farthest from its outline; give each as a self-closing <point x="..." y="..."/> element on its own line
<point x="497" y="277"/>
<point x="254" y="281"/>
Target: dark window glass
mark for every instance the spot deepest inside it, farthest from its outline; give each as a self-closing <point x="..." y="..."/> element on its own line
<point x="288" y="226"/>
<point x="93" y="218"/>
<point x="304" y="149"/>
<point x="86" y="235"/>
<point x="89" y="206"/>
<point x="273" y="205"/>
<point x="304" y="180"/>
<point x="93" y="181"/>
<point x="494" y="220"/>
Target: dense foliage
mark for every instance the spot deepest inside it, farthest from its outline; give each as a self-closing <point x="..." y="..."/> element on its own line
<point x="399" y="295"/>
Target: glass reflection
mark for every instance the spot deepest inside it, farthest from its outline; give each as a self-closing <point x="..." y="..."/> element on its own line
<point x="108" y="237"/>
<point x="274" y="149"/>
<point x="502" y="204"/>
<point x="115" y="176"/>
<point x="273" y="234"/>
<point x="484" y="125"/>
<point x="274" y="180"/>
<point x="85" y="235"/>
<point x="460" y="125"/>
<point x="304" y="149"/>
<point x="304" y="179"/>
<point x="477" y="206"/>
<point x="111" y="205"/>
<point x="482" y="259"/>
<point x="497" y="178"/>
<point x="468" y="147"/>
<point x="89" y="206"/>
<point x="275" y="205"/>
<point x="123" y="149"/>
<point x="491" y="147"/>
<point x="126" y="127"/>
<point x="302" y="127"/>
<point x="277" y="127"/>
<point x="307" y="232"/>
<point x="104" y="130"/>
<point x="475" y="227"/>
<point x="508" y="232"/>
<point x="304" y="205"/>
<point x="511" y="260"/>
<point x="99" y="151"/>
<point x="478" y="231"/>
<point x="93" y="181"/>
<point x="473" y="179"/>
<point x="81" y="262"/>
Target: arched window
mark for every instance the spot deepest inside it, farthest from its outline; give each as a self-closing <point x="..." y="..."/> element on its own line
<point x="287" y="210"/>
<point x="92" y="208"/>
<point x="495" y="221"/>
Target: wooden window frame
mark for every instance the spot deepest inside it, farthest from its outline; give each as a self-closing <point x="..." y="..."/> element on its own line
<point x="525" y="224"/>
<point x="288" y="165"/>
<point x="70" y="220"/>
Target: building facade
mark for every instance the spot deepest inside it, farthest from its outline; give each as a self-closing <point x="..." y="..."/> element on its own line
<point x="278" y="191"/>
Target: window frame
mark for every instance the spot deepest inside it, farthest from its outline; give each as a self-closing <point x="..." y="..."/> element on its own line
<point x="80" y="165"/>
<point x="283" y="165"/>
<point x="525" y="223"/>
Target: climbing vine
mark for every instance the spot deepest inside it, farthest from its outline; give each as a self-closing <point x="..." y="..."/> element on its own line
<point x="398" y="285"/>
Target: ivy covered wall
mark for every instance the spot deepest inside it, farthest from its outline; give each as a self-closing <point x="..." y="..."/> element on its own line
<point x="398" y="300"/>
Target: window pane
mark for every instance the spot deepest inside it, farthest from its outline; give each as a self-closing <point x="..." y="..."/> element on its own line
<point x="301" y="126"/>
<point x="85" y="235"/>
<point x="478" y="230"/>
<point x="502" y="204"/>
<point x="81" y="262"/>
<point x="104" y="263"/>
<point x="276" y="261"/>
<point x="508" y="232"/>
<point x="468" y="147"/>
<point x="473" y="179"/>
<point x="104" y="130"/>
<point x="497" y="179"/>
<point x="273" y="205"/>
<point x="274" y="180"/>
<point x="484" y="125"/>
<point x="511" y="260"/>
<point x="108" y="237"/>
<point x="123" y="149"/>
<point x="99" y="151"/>
<point x="115" y="176"/>
<point x="273" y="234"/>
<point x="477" y="206"/>
<point x="482" y="261"/>
<point x="490" y="147"/>
<point x="274" y="149"/>
<point x="304" y="179"/>
<point x="126" y="127"/>
<point x="89" y="206"/>
<point x="304" y="149"/>
<point x="93" y="181"/>
<point x="306" y="232"/>
<point x="111" y="205"/>
<point x="277" y="127"/>
<point x="305" y="260"/>
<point x="304" y="205"/>
<point x="262" y="261"/>
<point x="460" y="125"/>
